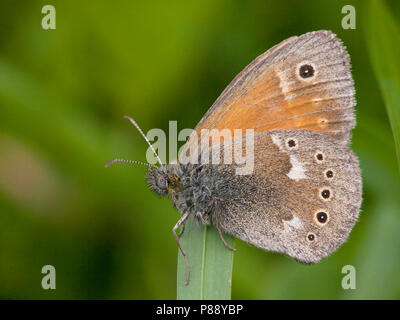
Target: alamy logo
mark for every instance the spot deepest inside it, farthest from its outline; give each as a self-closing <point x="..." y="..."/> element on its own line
<point x="49" y="280"/>
<point x="349" y="280"/>
<point x="49" y="20"/>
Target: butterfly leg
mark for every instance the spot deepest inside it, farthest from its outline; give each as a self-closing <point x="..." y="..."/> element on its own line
<point x="221" y="236"/>
<point x="180" y="221"/>
<point x="182" y="229"/>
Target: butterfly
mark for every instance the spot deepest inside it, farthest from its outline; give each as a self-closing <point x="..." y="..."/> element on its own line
<point x="303" y="196"/>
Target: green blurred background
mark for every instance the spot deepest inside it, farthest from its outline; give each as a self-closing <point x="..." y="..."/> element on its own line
<point x="63" y="93"/>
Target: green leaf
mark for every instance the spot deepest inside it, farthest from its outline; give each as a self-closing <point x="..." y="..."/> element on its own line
<point x="383" y="40"/>
<point x="210" y="264"/>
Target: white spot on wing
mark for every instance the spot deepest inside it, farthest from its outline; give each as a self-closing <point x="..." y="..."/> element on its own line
<point x="297" y="171"/>
<point x="277" y="141"/>
<point x="285" y="83"/>
<point x="295" y="223"/>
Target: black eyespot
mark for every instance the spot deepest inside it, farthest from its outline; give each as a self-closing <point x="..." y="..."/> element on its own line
<point x="291" y="143"/>
<point x="325" y="193"/>
<point x="319" y="156"/>
<point x="322" y="217"/>
<point x="306" y="71"/>
<point x="329" y="174"/>
<point x="311" y="237"/>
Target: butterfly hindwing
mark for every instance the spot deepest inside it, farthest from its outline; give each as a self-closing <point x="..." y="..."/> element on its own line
<point x="304" y="185"/>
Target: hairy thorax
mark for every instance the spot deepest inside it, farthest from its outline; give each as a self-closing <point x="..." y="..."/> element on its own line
<point x="191" y="190"/>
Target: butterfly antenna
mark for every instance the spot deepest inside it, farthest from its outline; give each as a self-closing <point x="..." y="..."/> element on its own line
<point x="144" y="136"/>
<point x="129" y="161"/>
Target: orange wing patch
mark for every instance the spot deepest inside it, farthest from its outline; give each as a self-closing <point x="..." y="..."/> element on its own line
<point x="304" y="84"/>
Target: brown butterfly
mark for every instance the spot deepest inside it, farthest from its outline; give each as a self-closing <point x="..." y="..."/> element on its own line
<point x="304" y="194"/>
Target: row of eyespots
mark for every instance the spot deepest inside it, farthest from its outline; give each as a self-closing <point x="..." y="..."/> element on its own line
<point x="325" y="193"/>
<point x="321" y="217"/>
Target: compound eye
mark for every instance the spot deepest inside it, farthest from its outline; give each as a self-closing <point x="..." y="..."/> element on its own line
<point x="162" y="182"/>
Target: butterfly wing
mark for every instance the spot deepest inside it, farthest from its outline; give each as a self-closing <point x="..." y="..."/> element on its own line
<point x="302" y="83"/>
<point x="302" y="199"/>
<point x="304" y="195"/>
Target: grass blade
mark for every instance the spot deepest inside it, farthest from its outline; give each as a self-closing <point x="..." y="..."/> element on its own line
<point x="383" y="40"/>
<point x="210" y="264"/>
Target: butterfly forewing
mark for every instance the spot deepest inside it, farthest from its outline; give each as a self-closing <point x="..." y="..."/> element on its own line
<point x="303" y="83"/>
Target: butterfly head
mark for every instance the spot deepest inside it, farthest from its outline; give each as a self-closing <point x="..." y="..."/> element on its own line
<point x="163" y="180"/>
<point x="158" y="180"/>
